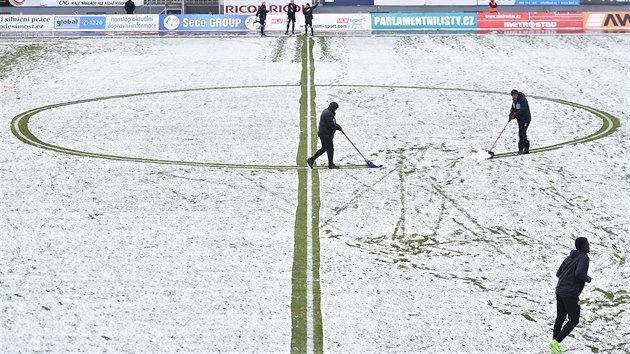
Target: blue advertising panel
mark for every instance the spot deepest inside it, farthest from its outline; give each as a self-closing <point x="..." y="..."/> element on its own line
<point x="79" y="23"/>
<point x="207" y="22"/>
<point x="400" y="21"/>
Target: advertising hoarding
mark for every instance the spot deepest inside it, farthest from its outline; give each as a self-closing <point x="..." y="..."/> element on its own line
<point x="26" y="23"/>
<point x="529" y="20"/>
<point x="607" y="20"/>
<point x="72" y="3"/>
<point x="250" y="7"/>
<point x="423" y="21"/>
<point x="207" y="22"/>
<point x="426" y="2"/>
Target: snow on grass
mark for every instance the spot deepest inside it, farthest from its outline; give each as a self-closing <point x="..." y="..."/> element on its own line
<point x="437" y="251"/>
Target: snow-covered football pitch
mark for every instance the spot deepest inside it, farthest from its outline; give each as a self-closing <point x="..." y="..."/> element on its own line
<point x="155" y="195"/>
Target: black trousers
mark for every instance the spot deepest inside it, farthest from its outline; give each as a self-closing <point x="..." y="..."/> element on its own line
<point x="327" y="147"/>
<point x="522" y="134"/>
<point x="566" y="306"/>
<point x="291" y="19"/>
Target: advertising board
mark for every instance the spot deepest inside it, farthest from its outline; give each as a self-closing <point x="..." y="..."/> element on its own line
<point x="607" y="20"/>
<point x="529" y="20"/>
<point x="25" y="23"/>
<point x="423" y="21"/>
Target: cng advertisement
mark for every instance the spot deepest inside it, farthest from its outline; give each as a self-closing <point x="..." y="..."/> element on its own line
<point x="72" y="3"/>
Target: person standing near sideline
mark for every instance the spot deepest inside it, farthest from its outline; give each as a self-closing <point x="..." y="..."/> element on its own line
<point x="308" y="17"/>
<point x="291" y="9"/>
<point x="572" y="275"/>
<point x="492" y="6"/>
<point x="520" y="112"/>
<point x="262" y="17"/>
<point x="130" y="7"/>
<point x="326" y="132"/>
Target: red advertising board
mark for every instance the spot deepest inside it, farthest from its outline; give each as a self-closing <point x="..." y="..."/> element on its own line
<point x="530" y="21"/>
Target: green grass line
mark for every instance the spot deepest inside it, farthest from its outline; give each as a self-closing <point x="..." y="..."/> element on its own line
<point x="318" y="328"/>
<point x="20" y="129"/>
<point x="299" y="269"/>
<point x="19" y="125"/>
<point x="610" y="123"/>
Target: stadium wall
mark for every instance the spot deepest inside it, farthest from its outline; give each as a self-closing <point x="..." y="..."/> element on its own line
<point x="505" y="22"/>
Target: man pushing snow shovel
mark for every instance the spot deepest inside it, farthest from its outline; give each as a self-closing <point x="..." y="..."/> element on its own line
<point x="520" y="112"/>
<point x="326" y="132"/>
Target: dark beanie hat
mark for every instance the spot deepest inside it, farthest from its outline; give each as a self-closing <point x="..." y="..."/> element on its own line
<point x="515" y="91"/>
<point x="333" y="106"/>
<point x="579" y="242"/>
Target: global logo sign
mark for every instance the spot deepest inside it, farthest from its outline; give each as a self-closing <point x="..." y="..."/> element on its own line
<point x="171" y="22"/>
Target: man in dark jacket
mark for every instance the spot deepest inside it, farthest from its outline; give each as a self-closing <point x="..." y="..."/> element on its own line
<point x="130" y="7"/>
<point x="572" y="275"/>
<point x="291" y="9"/>
<point x="520" y="111"/>
<point x="326" y="132"/>
<point x="262" y="17"/>
<point x="308" y="17"/>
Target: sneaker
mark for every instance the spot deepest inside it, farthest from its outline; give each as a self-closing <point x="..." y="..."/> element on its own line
<point x="333" y="167"/>
<point x="555" y="348"/>
<point x="310" y="161"/>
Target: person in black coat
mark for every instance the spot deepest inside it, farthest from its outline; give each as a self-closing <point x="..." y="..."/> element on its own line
<point x="520" y="111"/>
<point x="572" y="275"/>
<point x="130" y="7"/>
<point x="326" y="132"/>
<point x="308" y="17"/>
<point x="262" y="17"/>
<point x="291" y="9"/>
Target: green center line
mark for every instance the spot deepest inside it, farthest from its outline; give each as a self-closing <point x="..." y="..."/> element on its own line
<point x="306" y="316"/>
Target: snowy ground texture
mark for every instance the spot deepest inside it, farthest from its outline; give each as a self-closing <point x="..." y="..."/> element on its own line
<point x="437" y="252"/>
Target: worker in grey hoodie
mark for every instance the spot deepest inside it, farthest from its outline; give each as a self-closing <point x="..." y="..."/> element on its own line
<point x="572" y="275"/>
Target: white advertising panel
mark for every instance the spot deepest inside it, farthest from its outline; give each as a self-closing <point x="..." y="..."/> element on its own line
<point x="91" y="3"/>
<point x="250" y="7"/>
<point x="323" y="23"/>
<point x="132" y="23"/>
<point x="425" y="2"/>
<point x="25" y="23"/>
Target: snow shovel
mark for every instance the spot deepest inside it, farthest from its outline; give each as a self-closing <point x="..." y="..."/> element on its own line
<point x="368" y="162"/>
<point x="495" y="142"/>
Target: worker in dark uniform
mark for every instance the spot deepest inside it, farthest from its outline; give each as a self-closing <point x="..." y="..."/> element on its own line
<point x="262" y="17"/>
<point x="326" y="132"/>
<point x="308" y="17"/>
<point x="520" y="112"/>
<point x="291" y="9"/>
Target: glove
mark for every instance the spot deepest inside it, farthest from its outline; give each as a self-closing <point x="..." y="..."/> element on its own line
<point x="340" y="127"/>
<point x="511" y="117"/>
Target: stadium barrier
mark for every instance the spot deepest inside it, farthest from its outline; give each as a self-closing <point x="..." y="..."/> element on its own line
<point x="505" y="22"/>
